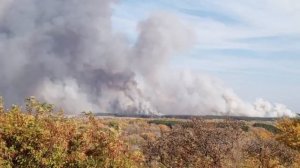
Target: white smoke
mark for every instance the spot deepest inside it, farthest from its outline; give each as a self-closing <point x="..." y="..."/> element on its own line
<point x="268" y="109"/>
<point x="65" y="52"/>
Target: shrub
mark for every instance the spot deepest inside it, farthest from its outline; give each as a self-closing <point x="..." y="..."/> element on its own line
<point x="245" y="128"/>
<point x="228" y="123"/>
<point x="290" y="132"/>
<point x="115" y="125"/>
<point x="40" y="137"/>
<point x="196" y="144"/>
<point x="270" y="153"/>
<point x="1" y="105"/>
<point x="169" y="123"/>
<point x="267" y="127"/>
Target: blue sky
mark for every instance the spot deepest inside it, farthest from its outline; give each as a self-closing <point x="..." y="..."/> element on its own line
<point x="253" y="46"/>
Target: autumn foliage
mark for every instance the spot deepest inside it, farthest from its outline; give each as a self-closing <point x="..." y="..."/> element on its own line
<point x="290" y="132"/>
<point x="38" y="135"/>
<point x="208" y="144"/>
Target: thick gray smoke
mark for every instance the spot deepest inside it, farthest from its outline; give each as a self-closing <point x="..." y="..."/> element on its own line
<point x="66" y="53"/>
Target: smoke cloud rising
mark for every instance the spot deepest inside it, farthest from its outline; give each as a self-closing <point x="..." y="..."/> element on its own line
<point x="66" y="53"/>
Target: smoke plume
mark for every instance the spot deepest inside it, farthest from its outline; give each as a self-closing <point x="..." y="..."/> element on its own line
<point x="66" y="53"/>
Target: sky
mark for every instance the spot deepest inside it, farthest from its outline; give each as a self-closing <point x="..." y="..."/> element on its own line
<point x="253" y="46"/>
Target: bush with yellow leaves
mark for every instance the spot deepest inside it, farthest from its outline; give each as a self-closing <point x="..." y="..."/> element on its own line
<point x="40" y="137"/>
<point x="290" y="132"/>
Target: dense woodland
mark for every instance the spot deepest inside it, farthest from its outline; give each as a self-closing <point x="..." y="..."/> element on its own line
<point x="38" y="135"/>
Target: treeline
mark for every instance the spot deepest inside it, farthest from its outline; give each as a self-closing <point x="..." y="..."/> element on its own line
<point x="40" y="136"/>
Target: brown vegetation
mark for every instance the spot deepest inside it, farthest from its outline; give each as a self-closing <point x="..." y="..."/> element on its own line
<point x="270" y="153"/>
<point x="290" y="132"/>
<point x="216" y="144"/>
<point x="39" y="136"/>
